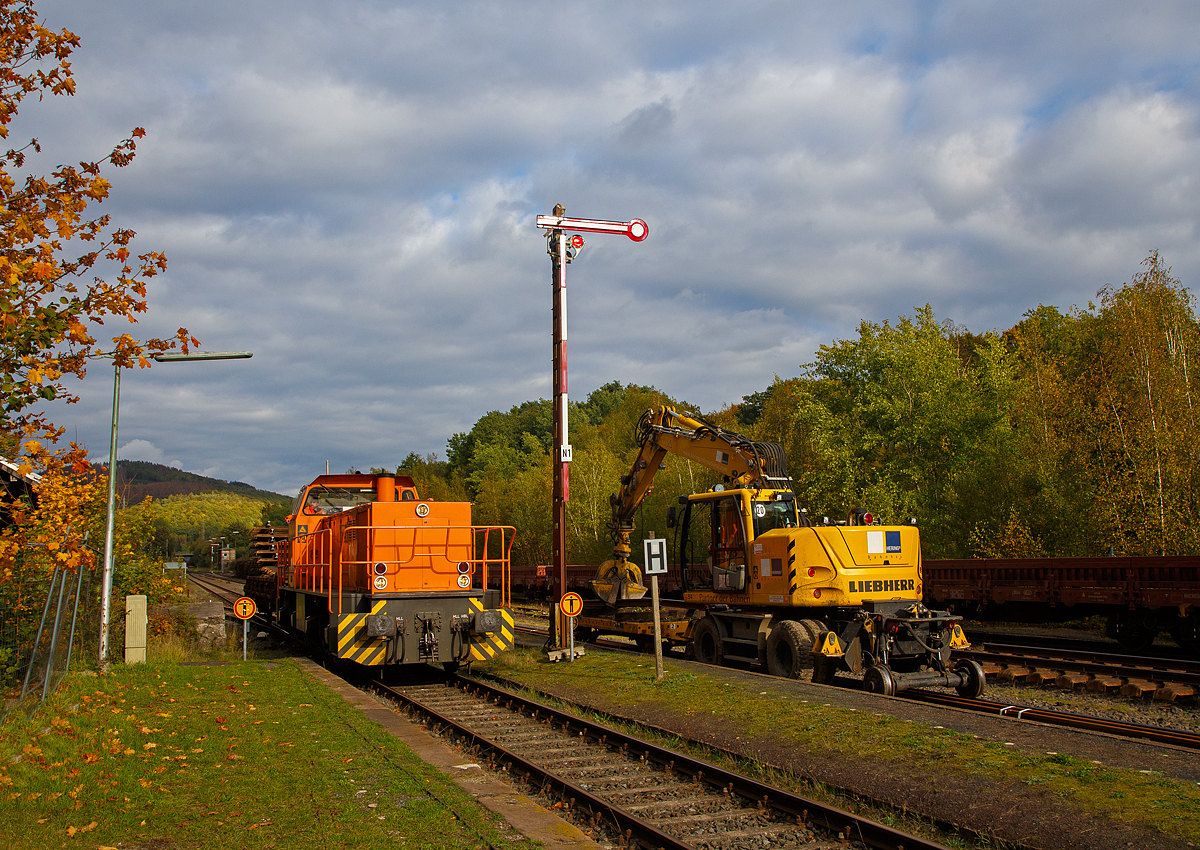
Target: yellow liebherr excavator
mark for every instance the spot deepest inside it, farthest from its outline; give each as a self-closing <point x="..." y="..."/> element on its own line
<point x="663" y="431"/>
<point x="766" y="586"/>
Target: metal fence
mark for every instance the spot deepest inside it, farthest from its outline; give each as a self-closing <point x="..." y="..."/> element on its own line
<point x="38" y="650"/>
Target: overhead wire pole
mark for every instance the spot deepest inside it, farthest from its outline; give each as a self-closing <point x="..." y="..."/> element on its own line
<point x="107" y="582"/>
<point x="562" y="249"/>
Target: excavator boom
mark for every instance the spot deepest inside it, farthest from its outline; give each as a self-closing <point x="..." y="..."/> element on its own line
<point x="663" y="431"/>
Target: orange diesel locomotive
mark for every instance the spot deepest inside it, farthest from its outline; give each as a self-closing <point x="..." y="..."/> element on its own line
<point x="376" y="575"/>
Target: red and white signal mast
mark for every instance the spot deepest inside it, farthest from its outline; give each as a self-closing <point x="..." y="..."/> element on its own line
<point x="562" y="249"/>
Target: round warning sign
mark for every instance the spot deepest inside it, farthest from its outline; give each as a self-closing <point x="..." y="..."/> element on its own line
<point x="244" y="608"/>
<point x="571" y="604"/>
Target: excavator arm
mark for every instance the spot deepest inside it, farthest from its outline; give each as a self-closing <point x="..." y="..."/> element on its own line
<point x="663" y="431"/>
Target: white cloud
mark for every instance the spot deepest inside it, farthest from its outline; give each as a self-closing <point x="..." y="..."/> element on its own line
<point x="348" y="189"/>
<point x="147" y="451"/>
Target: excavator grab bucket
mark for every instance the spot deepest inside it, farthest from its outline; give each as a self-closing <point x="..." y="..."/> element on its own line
<point x="616" y="580"/>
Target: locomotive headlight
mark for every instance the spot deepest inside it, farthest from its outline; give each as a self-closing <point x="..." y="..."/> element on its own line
<point x="464" y="567"/>
<point x="380" y="569"/>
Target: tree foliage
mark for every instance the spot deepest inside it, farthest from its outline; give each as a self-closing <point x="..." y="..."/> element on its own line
<point x="1068" y="434"/>
<point x="62" y="272"/>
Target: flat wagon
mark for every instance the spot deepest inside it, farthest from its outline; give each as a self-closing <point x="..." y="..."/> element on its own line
<point x="1140" y="596"/>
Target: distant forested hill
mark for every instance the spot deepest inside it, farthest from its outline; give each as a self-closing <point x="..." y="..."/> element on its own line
<point x="139" y="479"/>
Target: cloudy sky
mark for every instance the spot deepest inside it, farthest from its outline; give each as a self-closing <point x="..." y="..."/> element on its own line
<point x="348" y="188"/>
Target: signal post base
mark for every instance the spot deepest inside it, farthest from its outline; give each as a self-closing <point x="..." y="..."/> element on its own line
<point x="564" y="654"/>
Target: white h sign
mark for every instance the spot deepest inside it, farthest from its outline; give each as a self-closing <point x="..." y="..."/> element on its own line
<point x="655" y="554"/>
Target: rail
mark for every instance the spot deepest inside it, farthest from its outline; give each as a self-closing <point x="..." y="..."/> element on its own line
<point x="1158" y="734"/>
<point x="634" y="822"/>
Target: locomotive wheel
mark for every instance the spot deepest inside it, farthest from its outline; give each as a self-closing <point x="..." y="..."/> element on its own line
<point x="789" y="650"/>
<point x="1131" y="632"/>
<point x="1186" y="633"/>
<point x="706" y="642"/>
<point x="878" y="680"/>
<point x="972" y="688"/>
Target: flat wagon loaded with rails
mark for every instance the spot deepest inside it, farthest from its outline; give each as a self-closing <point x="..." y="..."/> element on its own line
<point x="1140" y="596"/>
<point x="264" y="561"/>
<point x="371" y="573"/>
<point x="763" y="584"/>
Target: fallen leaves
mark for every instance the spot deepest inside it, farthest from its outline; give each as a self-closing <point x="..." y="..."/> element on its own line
<point x="73" y="831"/>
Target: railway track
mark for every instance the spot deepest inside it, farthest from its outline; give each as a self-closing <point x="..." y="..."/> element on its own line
<point x="224" y="588"/>
<point x="1055" y="642"/>
<point x="645" y="795"/>
<point x="1167" y="679"/>
<point x="1158" y="734"/>
<point x="1070" y="720"/>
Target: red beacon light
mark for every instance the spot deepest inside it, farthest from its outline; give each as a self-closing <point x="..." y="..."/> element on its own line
<point x="868" y="519"/>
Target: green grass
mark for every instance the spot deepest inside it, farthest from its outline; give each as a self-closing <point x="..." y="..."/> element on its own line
<point x="918" y="749"/>
<point x="243" y="755"/>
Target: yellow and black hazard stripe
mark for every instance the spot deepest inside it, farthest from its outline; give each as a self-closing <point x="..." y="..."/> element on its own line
<point x="486" y="647"/>
<point x="352" y="640"/>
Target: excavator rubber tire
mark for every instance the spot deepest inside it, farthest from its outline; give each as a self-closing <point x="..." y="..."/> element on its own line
<point x="789" y="650"/>
<point x="878" y="680"/>
<point x="812" y="631"/>
<point x="972" y="688"/>
<point x="706" y="642"/>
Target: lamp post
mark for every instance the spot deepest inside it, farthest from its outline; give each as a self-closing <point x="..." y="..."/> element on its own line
<point x="106" y="584"/>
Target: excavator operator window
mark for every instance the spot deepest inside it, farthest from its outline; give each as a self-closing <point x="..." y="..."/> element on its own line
<point x="730" y="537"/>
<point x="771" y="515"/>
<point x="729" y="545"/>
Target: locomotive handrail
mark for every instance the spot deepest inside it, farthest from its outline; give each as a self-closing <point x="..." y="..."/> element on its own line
<point x="503" y="561"/>
<point x="310" y="579"/>
<point x="313" y="560"/>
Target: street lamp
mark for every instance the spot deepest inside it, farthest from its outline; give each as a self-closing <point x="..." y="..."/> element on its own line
<point x="106" y="585"/>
